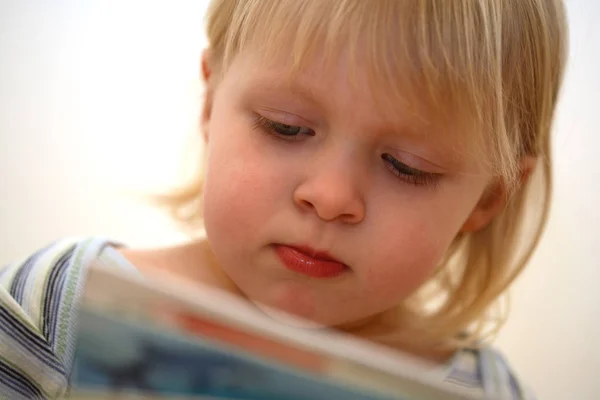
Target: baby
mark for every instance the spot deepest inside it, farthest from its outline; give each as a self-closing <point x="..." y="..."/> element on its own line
<point x="382" y="168"/>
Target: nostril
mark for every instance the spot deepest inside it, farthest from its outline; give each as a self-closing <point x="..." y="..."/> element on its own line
<point x="351" y="218"/>
<point x="307" y="204"/>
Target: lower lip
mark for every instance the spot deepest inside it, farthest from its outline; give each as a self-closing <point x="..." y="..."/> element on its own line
<point x="298" y="261"/>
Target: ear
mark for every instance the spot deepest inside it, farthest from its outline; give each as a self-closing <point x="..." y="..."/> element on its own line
<point x="207" y="76"/>
<point x="206" y="67"/>
<point x="494" y="198"/>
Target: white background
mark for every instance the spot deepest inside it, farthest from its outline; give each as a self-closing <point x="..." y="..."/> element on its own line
<point x="98" y="98"/>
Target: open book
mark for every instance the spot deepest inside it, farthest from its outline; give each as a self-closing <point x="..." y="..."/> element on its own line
<point x="142" y="340"/>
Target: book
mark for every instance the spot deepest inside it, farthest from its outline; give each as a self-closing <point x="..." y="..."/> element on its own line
<point x="141" y="339"/>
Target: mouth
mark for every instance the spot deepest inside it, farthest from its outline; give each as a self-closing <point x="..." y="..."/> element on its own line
<point x="310" y="262"/>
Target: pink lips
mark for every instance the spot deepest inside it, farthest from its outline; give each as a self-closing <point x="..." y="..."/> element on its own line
<point x="309" y="262"/>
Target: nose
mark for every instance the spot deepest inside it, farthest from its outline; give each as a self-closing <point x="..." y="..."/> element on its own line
<point x="333" y="193"/>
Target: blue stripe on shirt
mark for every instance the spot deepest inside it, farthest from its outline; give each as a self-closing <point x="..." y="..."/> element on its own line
<point x="18" y="382"/>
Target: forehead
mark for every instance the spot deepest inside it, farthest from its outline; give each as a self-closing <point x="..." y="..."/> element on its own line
<point x="422" y="60"/>
<point x="333" y="87"/>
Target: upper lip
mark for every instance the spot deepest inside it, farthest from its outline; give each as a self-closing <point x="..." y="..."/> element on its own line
<point x="318" y="254"/>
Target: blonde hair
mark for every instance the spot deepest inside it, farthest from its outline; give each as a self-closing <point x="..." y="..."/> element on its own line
<point x="497" y="63"/>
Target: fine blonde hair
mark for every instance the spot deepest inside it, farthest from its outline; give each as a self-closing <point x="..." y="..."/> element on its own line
<point x="496" y="63"/>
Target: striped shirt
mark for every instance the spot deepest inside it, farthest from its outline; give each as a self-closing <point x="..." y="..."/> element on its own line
<point x="39" y="299"/>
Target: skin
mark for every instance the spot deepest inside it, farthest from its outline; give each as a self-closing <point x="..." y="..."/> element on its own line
<point x="327" y="188"/>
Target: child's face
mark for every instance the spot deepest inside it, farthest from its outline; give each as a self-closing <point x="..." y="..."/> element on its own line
<point x="315" y="165"/>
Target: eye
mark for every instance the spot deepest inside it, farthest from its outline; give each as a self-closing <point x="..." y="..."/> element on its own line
<point x="410" y="174"/>
<point x="284" y="131"/>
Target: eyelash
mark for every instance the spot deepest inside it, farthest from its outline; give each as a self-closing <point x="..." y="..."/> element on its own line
<point x="406" y="173"/>
<point x="409" y="174"/>
<point x="276" y="128"/>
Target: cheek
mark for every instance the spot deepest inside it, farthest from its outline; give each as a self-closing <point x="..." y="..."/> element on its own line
<point x="239" y="189"/>
<point x="231" y="194"/>
<point x="403" y="263"/>
<point x="409" y="246"/>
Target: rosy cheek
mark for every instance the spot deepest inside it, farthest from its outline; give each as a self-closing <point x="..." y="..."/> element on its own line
<point x="226" y="209"/>
<point x="239" y="197"/>
<point x="402" y="267"/>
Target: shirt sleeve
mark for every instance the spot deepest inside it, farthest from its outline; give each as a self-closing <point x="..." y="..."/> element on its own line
<point x="485" y="373"/>
<point x="39" y="299"/>
<point x="499" y="379"/>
